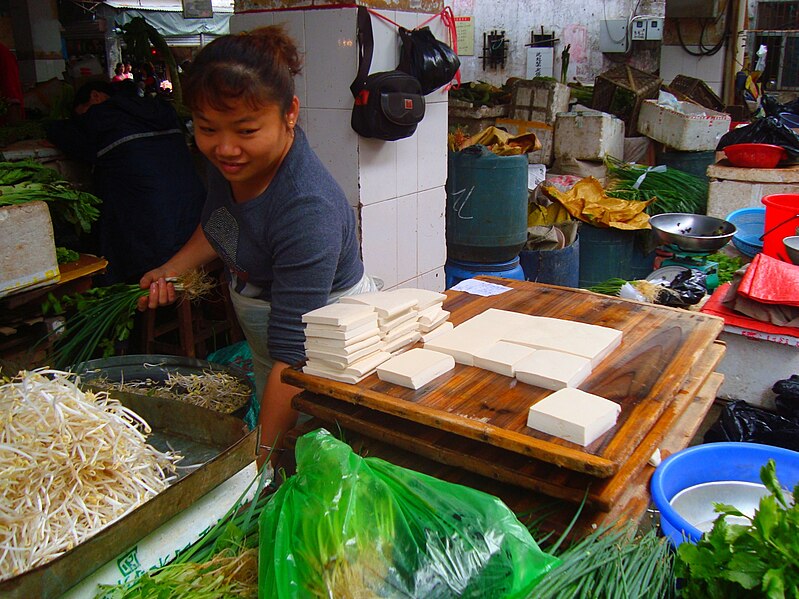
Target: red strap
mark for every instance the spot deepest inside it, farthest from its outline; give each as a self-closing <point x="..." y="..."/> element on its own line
<point x="362" y="98"/>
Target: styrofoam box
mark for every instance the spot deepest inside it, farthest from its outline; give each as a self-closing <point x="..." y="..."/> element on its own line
<point x="696" y="128"/>
<point x="588" y="135"/>
<point x="27" y="247"/>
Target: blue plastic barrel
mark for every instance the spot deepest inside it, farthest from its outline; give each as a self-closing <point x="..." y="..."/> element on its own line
<point x="605" y="254"/>
<point x="553" y="267"/>
<point x="457" y="270"/>
<point x="486" y="212"/>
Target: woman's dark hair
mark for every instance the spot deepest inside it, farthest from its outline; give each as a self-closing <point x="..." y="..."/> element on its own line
<point x="85" y="91"/>
<point x="258" y="67"/>
<point x="118" y="69"/>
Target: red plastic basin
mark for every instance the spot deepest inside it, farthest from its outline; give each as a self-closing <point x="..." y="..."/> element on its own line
<point x="755" y="155"/>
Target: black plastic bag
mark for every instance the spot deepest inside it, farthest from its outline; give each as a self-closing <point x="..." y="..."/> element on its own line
<point x="787" y="400"/>
<point x="686" y="289"/>
<point x="431" y="61"/>
<point x="770" y="130"/>
<point x="740" y="421"/>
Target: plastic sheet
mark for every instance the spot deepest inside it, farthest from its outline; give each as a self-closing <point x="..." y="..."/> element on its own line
<point x="686" y="289"/>
<point x="588" y="202"/>
<point x="740" y="421"/>
<point x="423" y="56"/>
<point x="769" y="130"/>
<point x="348" y="526"/>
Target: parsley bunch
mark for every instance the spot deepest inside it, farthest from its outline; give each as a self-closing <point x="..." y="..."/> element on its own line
<point x="757" y="559"/>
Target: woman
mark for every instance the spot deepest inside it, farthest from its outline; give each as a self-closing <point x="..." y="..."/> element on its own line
<point x="273" y="213"/>
<point x="119" y="73"/>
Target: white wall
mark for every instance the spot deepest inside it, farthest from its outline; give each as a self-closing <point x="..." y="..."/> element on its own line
<point x="574" y="22"/>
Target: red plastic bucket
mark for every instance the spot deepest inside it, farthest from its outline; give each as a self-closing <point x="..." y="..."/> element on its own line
<point x="782" y="220"/>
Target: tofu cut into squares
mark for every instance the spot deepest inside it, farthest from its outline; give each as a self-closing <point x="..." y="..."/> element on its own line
<point x="415" y="368"/>
<point x="581" y="339"/>
<point x="424" y="297"/>
<point x="360" y="367"/>
<point x="341" y="347"/>
<point x="552" y="369"/>
<point x="385" y="303"/>
<point x="502" y="357"/>
<point x="398" y="331"/>
<point x="343" y="316"/>
<point x="574" y="415"/>
<point x="402" y="342"/>
<point x="426" y="328"/>
<point x="466" y="340"/>
<point x="444" y="327"/>
<point x="331" y="332"/>
<point x="431" y="314"/>
<point x="342" y="361"/>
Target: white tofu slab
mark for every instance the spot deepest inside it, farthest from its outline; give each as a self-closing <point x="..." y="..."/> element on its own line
<point x="552" y="369"/>
<point x="574" y="415"/>
<point x="426" y="328"/>
<point x="343" y="316"/>
<point x="386" y="324"/>
<point x="402" y="342"/>
<point x="385" y="303"/>
<point x="467" y="339"/>
<point x="341" y="347"/>
<point x="342" y="361"/>
<point x="415" y="368"/>
<point x="431" y="314"/>
<point x="502" y="357"/>
<point x="332" y="374"/>
<point x="400" y="330"/>
<point x="444" y="327"/>
<point x="578" y="338"/>
<point x="424" y="297"/>
<point x="331" y="332"/>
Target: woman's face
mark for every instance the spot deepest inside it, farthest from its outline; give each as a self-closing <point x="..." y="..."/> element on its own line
<point x="247" y="145"/>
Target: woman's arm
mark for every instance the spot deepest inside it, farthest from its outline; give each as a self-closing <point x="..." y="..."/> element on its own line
<point x="196" y="252"/>
<point x="276" y="416"/>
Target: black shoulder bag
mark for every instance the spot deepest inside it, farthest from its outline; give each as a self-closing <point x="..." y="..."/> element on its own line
<point x="388" y="105"/>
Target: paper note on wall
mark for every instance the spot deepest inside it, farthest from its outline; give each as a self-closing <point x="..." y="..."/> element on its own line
<point x="540" y="62"/>
<point x="464" y="27"/>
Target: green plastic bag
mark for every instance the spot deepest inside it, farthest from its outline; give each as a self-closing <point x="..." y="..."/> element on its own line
<point x="346" y="526"/>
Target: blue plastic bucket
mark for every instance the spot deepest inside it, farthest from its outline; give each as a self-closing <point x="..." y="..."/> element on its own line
<point x="713" y="462"/>
<point x="458" y="270"/>
<point x="553" y="267"/>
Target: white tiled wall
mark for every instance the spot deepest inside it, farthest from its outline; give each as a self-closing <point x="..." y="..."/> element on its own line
<point x="398" y="187"/>
<point x="676" y="61"/>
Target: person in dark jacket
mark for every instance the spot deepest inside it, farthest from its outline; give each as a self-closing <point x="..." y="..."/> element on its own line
<point x="142" y="170"/>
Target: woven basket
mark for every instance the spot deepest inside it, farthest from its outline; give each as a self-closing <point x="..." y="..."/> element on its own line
<point x="621" y="91"/>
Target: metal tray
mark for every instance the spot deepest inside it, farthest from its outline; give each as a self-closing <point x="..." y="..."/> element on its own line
<point x="215" y="446"/>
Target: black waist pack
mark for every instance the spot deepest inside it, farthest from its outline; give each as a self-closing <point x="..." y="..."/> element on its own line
<point x="388" y="105"/>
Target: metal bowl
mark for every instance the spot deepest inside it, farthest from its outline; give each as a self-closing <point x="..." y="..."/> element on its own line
<point x="792" y="248"/>
<point x="692" y="232"/>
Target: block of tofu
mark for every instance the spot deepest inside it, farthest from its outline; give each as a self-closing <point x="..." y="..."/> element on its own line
<point x="359" y="368"/>
<point x="431" y="314"/>
<point x="574" y="415"/>
<point x="589" y="341"/>
<point x="339" y="360"/>
<point x="341" y="347"/>
<point x="402" y="342"/>
<point x="424" y="297"/>
<point x="386" y="324"/>
<point x="465" y="340"/>
<point x="398" y="331"/>
<point x="331" y="332"/>
<point x="385" y="303"/>
<point x="415" y="368"/>
<point x="343" y="316"/>
<point x="502" y="357"/>
<point x="426" y="328"/>
<point x="552" y="369"/>
<point x="334" y="374"/>
<point x="444" y="327"/>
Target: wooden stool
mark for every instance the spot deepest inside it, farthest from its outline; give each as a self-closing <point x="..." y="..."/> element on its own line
<point x="188" y="325"/>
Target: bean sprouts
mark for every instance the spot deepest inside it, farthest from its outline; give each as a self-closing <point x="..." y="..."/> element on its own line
<point x="71" y="463"/>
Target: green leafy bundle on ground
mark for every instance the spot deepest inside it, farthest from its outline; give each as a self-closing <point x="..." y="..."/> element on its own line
<point x="756" y="559"/>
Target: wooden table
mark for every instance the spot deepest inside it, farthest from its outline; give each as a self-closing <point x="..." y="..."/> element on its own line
<point x="474" y="421"/>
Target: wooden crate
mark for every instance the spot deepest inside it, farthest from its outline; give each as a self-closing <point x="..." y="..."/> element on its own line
<point x="621" y="91"/>
<point x="696" y="90"/>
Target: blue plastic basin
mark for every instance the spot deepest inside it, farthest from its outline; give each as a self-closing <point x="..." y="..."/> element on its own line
<point x="710" y="463"/>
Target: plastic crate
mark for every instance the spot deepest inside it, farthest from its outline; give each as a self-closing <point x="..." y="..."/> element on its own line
<point x="750" y="224"/>
<point x="621" y="91"/>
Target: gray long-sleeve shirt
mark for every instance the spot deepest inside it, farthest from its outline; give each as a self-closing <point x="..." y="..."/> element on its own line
<point x="291" y="246"/>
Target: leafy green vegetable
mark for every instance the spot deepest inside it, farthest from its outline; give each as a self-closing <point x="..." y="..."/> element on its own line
<point x="728" y="265"/>
<point x="64" y="255"/>
<point x="756" y="559"/>
<point x="609" y="287"/>
<point x="674" y="190"/>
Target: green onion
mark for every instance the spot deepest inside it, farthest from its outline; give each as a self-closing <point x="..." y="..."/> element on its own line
<point x="609" y="287"/>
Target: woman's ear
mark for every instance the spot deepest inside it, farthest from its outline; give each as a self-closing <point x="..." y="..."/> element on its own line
<point x="293" y="113"/>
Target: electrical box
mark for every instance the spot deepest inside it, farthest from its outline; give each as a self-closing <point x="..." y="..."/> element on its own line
<point x="638" y="31"/>
<point x="692" y="9"/>
<point x="613" y="35"/>
<point x="654" y="29"/>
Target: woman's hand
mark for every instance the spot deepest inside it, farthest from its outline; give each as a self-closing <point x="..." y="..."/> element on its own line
<point x="162" y="292"/>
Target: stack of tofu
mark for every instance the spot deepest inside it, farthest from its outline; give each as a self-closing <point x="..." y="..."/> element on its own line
<point x="343" y="342"/>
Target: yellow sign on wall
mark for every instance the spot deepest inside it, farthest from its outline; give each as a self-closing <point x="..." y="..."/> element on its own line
<point x="464" y="27"/>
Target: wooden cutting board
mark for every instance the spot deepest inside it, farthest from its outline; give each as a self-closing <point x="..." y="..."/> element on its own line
<point x="660" y="347"/>
<point x="504" y="465"/>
